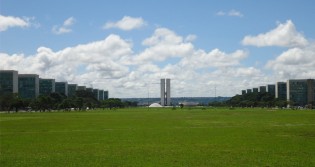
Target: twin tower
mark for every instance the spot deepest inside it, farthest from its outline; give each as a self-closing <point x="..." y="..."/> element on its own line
<point x="165" y="92"/>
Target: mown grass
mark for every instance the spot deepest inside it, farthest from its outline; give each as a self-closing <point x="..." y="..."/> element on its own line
<point x="159" y="137"/>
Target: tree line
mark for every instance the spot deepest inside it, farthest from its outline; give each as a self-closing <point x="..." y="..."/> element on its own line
<point x="82" y="100"/>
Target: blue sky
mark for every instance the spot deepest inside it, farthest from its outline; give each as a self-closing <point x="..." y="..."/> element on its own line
<point x="199" y="44"/>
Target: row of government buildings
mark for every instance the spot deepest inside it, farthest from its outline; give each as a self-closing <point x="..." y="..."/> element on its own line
<point x="30" y="86"/>
<point x="299" y="92"/>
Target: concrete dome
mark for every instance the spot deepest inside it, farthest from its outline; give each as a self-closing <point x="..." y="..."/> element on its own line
<point x="155" y="105"/>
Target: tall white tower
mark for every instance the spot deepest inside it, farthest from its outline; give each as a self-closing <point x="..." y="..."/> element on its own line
<point x="166" y="95"/>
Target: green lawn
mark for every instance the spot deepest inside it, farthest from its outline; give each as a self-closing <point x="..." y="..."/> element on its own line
<point x="159" y="137"/>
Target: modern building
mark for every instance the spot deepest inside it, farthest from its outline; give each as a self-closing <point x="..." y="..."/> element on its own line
<point x="249" y="91"/>
<point x="28" y="86"/>
<point x="300" y="92"/>
<point x="255" y="90"/>
<point x="165" y="92"/>
<point x="105" y="95"/>
<point x="8" y="81"/>
<point x="271" y="89"/>
<point x="72" y="88"/>
<point x="46" y="86"/>
<point x="81" y="87"/>
<point x="262" y="89"/>
<point x="62" y="88"/>
<point x="101" y="95"/>
<point x="89" y="89"/>
<point x="96" y="94"/>
<point x="243" y="92"/>
<point x="281" y="90"/>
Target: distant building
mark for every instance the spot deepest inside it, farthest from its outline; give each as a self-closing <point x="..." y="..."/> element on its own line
<point x="105" y="95"/>
<point x="281" y="90"/>
<point x="272" y="90"/>
<point x="165" y="92"/>
<point x="72" y="88"/>
<point x="249" y="91"/>
<point x="255" y="90"/>
<point x="8" y="81"/>
<point x="96" y="94"/>
<point x="300" y="91"/>
<point x="101" y="95"/>
<point x="81" y="87"/>
<point x="28" y="86"/>
<point x="46" y="86"/>
<point x="243" y="92"/>
<point x="89" y="89"/>
<point x="262" y="89"/>
<point x="62" y="88"/>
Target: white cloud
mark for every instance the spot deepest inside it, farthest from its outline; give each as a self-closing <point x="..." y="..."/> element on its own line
<point x="295" y="63"/>
<point x="232" y="13"/>
<point x="127" y="23"/>
<point x="65" y="28"/>
<point x="10" y="21"/>
<point x="284" y="35"/>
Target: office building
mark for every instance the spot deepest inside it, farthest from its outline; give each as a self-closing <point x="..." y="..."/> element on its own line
<point x="28" y="86"/>
<point x="272" y="90"/>
<point x="46" y="86"/>
<point x="89" y="89"/>
<point x="105" y="95"/>
<point x="249" y="91"/>
<point x="101" y="95"/>
<point x="96" y="94"/>
<point x="81" y="87"/>
<point x="8" y="81"/>
<point x="262" y="89"/>
<point x="255" y="90"/>
<point x="165" y="92"/>
<point x="72" y="88"/>
<point x="243" y="92"/>
<point x="281" y="90"/>
<point x="62" y="88"/>
<point x="300" y="92"/>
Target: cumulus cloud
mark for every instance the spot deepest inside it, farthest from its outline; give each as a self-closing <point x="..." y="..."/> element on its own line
<point x="284" y="35"/>
<point x="233" y="13"/>
<point x="127" y="23"/>
<point x="163" y="44"/>
<point x="10" y="21"/>
<point x="65" y="28"/>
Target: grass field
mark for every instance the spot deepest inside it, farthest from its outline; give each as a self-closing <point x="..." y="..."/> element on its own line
<point x="159" y="137"/>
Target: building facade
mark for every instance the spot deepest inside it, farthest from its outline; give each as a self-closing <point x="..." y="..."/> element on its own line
<point x="249" y="90"/>
<point x="105" y="95"/>
<point x="272" y="90"/>
<point x="262" y="89"/>
<point x="46" y="86"/>
<point x="243" y="92"/>
<point x="8" y="81"/>
<point x="96" y="94"/>
<point x="255" y="90"/>
<point x="81" y="87"/>
<point x="72" y="88"/>
<point x="281" y="90"/>
<point x="101" y="95"/>
<point x="62" y="88"/>
<point x="28" y="86"/>
<point x="300" y="92"/>
<point x="165" y="92"/>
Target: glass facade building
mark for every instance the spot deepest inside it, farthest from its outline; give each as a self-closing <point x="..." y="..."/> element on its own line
<point x="271" y="89"/>
<point x="8" y="81"/>
<point x="249" y="91"/>
<point x="72" y="88"/>
<point x="46" y="86"/>
<point x="105" y="95"/>
<point x="96" y="94"/>
<point x="62" y="88"/>
<point x="255" y="90"/>
<point x="300" y="92"/>
<point x="81" y="87"/>
<point x="281" y="90"/>
<point x="262" y="89"/>
<point x="28" y="86"/>
<point x="101" y="95"/>
<point x="243" y="92"/>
